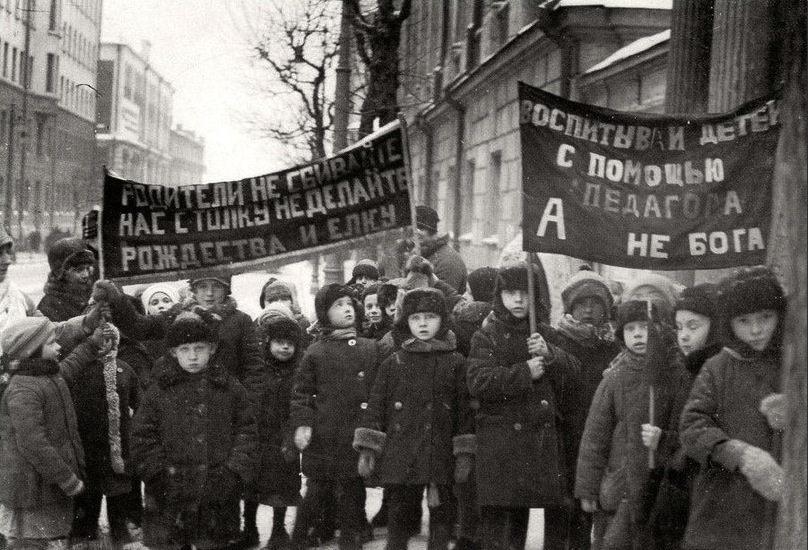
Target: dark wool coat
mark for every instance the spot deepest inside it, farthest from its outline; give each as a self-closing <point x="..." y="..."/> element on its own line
<point x="62" y="301"/>
<point x="330" y="394"/>
<point x="84" y="374"/>
<point x="141" y="356"/>
<point x="520" y="452"/>
<point x="277" y="479"/>
<point x="238" y="350"/>
<point x="40" y="448"/>
<point x="448" y="264"/>
<point x="468" y="318"/>
<point x="612" y="460"/>
<point x="419" y="408"/>
<point x="725" y="512"/>
<point x="190" y="433"/>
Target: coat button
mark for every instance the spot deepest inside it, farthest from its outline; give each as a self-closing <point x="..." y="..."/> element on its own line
<point x="361" y="374"/>
<point x="547" y="424"/>
<point x="397" y="427"/>
<point x="398" y="405"/>
<point x="351" y="342"/>
<point x="544" y="403"/>
<point x="363" y="405"/>
<point x="517" y="426"/>
<point x="429" y="406"/>
<point x="200" y="438"/>
<point x="427" y="426"/>
<point x="507" y="335"/>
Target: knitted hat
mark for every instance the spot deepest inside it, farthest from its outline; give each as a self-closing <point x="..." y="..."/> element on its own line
<point x="699" y="299"/>
<point x="187" y="328"/>
<point x="69" y="252"/>
<point x="628" y="312"/>
<point x="277" y="321"/>
<point x="23" y="337"/>
<point x="583" y="284"/>
<point x="364" y="268"/>
<point x="273" y="290"/>
<point x="514" y="277"/>
<point x="326" y="296"/>
<point x="481" y="283"/>
<point x="749" y="290"/>
<point x="210" y="275"/>
<point x="422" y="300"/>
<point x="165" y="288"/>
<point x="426" y="218"/>
<point x="662" y="284"/>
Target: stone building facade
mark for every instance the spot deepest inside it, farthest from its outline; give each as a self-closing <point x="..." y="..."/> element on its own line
<point x="187" y="150"/>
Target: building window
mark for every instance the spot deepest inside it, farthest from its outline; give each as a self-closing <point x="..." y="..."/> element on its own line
<point x="494" y="192"/>
<point x="467" y="204"/>
<point x="499" y="28"/>
<point x="53" y="19"/>
<point x="50" y="75"/>
<point x="473" y="35"/>
<point x="3" y="128"/>
<point x="13" y="64"/>
<point x="40" y="136"/>
<point x="5" y="60"/>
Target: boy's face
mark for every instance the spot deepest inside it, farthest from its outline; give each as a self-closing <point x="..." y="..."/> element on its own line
<point x="515" y="301"/>
<point x="692" y="330"/>
<point x="391" y="310"/>
<point x="209" y="293"/>
<point x="635" y="335"/>
<point x="341" y="314"/>
<point x="281" y="349"/>
<point x="372" y="310"/>
<point x="194" y="357"/>
<point x="424" y="325"/>
<point x="756" y="329"/>
<point x="159" y="302"/>
<point x="80" y="274"/>
<point x="589" y="310"/>
<point x="51" y="349"/>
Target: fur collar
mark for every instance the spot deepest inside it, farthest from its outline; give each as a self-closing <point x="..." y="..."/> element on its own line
<point x="34" y="367"/>
<point x="430" y="247"/>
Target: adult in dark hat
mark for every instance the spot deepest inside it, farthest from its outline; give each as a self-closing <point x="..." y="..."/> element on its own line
<point x="448" y="264"/>
<point x="70" y="281"/>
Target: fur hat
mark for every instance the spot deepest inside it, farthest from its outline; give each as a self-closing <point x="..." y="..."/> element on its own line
<point x="210" y="275"/>
<point x="699" y="299"/>
<point x="426" y="218"/>
<point x="364" y="268"/>
<point x="187" y="328"/>
<point x="628" y="312"/>
<point x="748" y="290"/>
<point x="275" y="289"/>
<point x="481" y="283"/>
<point x="514" y="277"/>
<point x="22" y="338"/>
<point x="387" y="294"/>
<point x="420" y="300"/>
<point x="370" y="290"/>
<point x="277" y="321"/>
<point x="665" y="286"/>
<point x="583" y="284"/>
<point x="167" y="289"/>
<point x="329" y="294"/>
<point x="69" y="252"/>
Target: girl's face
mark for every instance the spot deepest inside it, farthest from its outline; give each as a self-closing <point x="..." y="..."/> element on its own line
<point x="159" y="302"/>
<point x="209" y="293"/>
<point x="756" y="329"/>
<point x="51" y="349"/>
<point x="372" y="310"/>
<point x="424" y="325"/>
<point x="589" y="310"/>
<point x="515" y="301"/>
<point x="341" y="314"/>
<point x="635" y="335"/>
<point x="281" y="349"/>
<point x="692" y="330"/>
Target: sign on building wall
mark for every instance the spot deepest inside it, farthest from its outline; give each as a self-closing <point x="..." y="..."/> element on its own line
<point x="647" y="191"/>
<point x="154" y="232"/>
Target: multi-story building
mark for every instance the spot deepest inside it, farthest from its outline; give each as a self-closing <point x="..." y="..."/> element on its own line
<point x="461" y="61"/>
<point x="47" y="112"/>
<point x="133" y="114"/>
<point x="187" y="157"/>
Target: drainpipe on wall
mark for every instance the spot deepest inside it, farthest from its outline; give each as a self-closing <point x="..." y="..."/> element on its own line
<point x="460" y="109"/>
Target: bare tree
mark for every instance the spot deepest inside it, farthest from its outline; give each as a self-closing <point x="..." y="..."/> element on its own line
<point x="378" y="34"/>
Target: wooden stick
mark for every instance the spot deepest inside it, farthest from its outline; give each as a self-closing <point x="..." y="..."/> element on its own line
<point x="531" y="292"/>
<point x="648" y="367"/>
<point x="405" y="145"/>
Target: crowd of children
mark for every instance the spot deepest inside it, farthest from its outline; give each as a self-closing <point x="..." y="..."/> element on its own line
<point x="649" y="421"/>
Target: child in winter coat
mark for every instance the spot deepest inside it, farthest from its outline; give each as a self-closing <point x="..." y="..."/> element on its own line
<point x="523" y="385"/>
<point x="418" y="420"/>
<point x="276" y="290"/>
<point x="41" y="458"/>
<point x="733" y="420"/>
<point x="364" y="273"/>
<point x="277" y="481"/>
<point x="330" y="394"/>
<point x="377" y="323"/>
<point x="613" y="464"/>
<point x="194" y="443"/>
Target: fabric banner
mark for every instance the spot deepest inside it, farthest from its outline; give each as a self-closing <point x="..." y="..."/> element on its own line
<point x="647" y="191"/>
<point x="155" y="232"/>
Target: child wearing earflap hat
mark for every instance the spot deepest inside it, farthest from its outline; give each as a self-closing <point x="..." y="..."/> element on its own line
<point x="734" y="417"/>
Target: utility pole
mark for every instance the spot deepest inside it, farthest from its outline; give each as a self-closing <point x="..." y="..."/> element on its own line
<point x="10" y="170"/>
<point x="26" y="85"/>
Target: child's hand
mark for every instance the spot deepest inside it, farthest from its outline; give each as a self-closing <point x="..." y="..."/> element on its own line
<point x="302" y="437"/>
<point x="762" y="472"/>
<point x="367" y="462"/>
<point x="589" y="506"/>
<point x="536" y="366"/>
<point x="773" y="406"/>
<point x="651" y="435"/>
<point x="105" y="291"/>
<point x="536" y="345"/>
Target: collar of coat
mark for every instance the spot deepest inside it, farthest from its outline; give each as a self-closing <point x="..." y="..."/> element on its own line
<point x="34" y="367"/>
<point x="74" y="295"/>
<point x="447" y="343"/>
<point x="170" y="374"/>
<point x="430" y="247"/>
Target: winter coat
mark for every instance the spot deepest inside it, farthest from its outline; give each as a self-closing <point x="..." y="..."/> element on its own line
<point x="725" y="512"/>
<point x="238" y="350"/>
<point x="62" y="300"/>
<point x="192" y="434"/>
<point x="418" y="415"/>
<point x="277" y="478"/>
<point x="140" y="357"/>
<point x="40" y="447"/>
<point x="468" y="318"/>
<point x="84" y="373"/>
<point x="447" y="262"/>
<point x="330" y="394"/>
<point x="519" y="461"/>
<point x="612" y="460"/>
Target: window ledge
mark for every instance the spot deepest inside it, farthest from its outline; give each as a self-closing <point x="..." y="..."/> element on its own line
<point x="466" y="238"/>
<point x="492" y="241"/>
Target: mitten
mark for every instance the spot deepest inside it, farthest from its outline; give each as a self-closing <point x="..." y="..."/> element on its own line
<point x="773" y="406"/>
<point x="763" y="473"/>
<point x="367" y="462"/>
<point x="72" y="486"/>
<point x="462" y="467"/>
<point x="105" y="291"/>
<point x="302" y="437"/>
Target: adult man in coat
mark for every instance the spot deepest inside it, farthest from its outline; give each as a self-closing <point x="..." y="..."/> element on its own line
<point x="449" y="266"/>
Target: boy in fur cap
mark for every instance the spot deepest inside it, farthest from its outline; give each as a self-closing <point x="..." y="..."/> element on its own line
<point x="194" y="443"/>
<point x="330" y="394"/>
<point x="417" y="419"/>
<point x="733" y="420"/>
<point x="522" y="384"/>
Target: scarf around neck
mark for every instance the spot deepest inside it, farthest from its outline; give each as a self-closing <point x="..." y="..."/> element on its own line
<point x="415" y="345"/>
<point x="338" y="333"/>
<point x="585" y="334"/>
